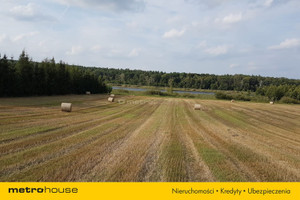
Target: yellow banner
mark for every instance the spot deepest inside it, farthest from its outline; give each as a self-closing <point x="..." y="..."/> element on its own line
<point x="153" y="191"/>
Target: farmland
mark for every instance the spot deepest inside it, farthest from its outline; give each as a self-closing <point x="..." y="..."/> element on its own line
<point x="147" y="139"/>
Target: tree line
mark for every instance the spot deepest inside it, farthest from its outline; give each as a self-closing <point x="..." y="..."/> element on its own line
<point x="236" y="82"/>
<point x="23" y="77"/>
<point x="273" y="88"/>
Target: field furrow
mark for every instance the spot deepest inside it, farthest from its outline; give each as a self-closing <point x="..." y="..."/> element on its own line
<point x="147" y="139"/>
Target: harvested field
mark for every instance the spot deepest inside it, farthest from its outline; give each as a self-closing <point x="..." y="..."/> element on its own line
<point x="147" y="139"/>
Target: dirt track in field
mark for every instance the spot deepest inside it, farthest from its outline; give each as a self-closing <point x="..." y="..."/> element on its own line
<point x="147" y="139"/>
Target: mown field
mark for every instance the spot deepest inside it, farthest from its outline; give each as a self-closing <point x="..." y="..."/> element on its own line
<point x="147" y="139"/>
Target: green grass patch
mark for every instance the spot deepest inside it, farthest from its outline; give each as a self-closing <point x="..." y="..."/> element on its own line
<point x="235" y="119"/>
<point x="175" y="159"/>
<point x="216" y="161"/>
<point x="129" y="116"/>
<point x="14" y="134"/>
<point x="243" y="154"/>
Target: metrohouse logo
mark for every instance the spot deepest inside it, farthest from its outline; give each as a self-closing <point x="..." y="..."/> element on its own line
<point x="43" y="190"/>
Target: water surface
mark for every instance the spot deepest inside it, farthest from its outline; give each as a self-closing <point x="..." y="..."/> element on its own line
<point x="176" y="91"/>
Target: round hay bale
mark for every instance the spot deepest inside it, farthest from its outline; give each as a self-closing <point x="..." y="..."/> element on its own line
<point x="66" y="107"/>
<point x="111" y="99"/>
<point x="271" y="102"/>
<point x="197" y="107"/>
<point x="112" y="95"/>
<point x="88" y="92"/>
<point x="232" y="100"/>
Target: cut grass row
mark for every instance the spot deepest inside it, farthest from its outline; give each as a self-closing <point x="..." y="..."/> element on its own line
<point x="63" y="147"/>
<point x="259" y="162"/>
<point x="145" y="141"/>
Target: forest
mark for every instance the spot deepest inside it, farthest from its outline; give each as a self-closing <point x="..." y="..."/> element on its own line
<point x="273" y="88"/>
<point x="235" y="82"/>
<point x="24" y="77"/>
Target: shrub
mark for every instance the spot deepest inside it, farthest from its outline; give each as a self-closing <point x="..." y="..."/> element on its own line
<point x="289" y="100"/>
<point x="242" y="97"/>
<point x="155" y="92"/>
<point x="119" y="91"/>
<point x="108" y="89"/>
<point x="222" y="95"/>
<point x="187" y="95"/>
<point x="260" y="98"/>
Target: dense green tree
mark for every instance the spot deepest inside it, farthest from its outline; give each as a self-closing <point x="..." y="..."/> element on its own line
<point x="24" y="69"/>
<point x="4" y="71"/>
<point x="25" y="77"/>
<point x="63" y="79"/>
<point x="275" y="93"/>
<point x="39" y="81"/>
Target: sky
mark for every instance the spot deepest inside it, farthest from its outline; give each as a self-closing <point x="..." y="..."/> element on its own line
<point x="254" y="37"/>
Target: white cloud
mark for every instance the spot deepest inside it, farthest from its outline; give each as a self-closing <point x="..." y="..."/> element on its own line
<point x="231" y="18"/>
<point x="115" y="5"/>
<point x="24" y="35"/>
<point x="195" y="23"/>
<point x="182" y="34"/>
<point x="209" y="3"/>
<point x="29" y="12"/>
<point x="174" y="19"/>
<point x="26" y="11"/>
<point x="132" y="24"/>
<point x="115" y="52"/>
<point x="134" y="52"/>
<point x="96" y="48"/>
<point x="174" y="33"/>
<point x="2" y="37"/>
<point x="202" y="44"/>
<point x="232" y="66"/>
<point x="219" y="50"/>
<point x="268" y="3"/>
<point x="288" y="43"/>
<point x="75" y="50"/>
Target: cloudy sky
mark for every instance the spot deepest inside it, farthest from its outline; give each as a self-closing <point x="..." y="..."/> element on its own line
<point x="260" y="37"/>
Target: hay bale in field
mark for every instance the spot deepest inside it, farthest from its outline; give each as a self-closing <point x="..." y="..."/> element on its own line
<point x="112" y="95"/>
<point x="88" y="92"/>
<point x="111" y="99"/>
<point x="66" y="107"/>
<point x="232" y="100"/>
<point x="197" y="107"/>
<point x="271" y="102"/>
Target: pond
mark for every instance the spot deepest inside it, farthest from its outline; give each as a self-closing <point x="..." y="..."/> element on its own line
<point x="176" y="91"/>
